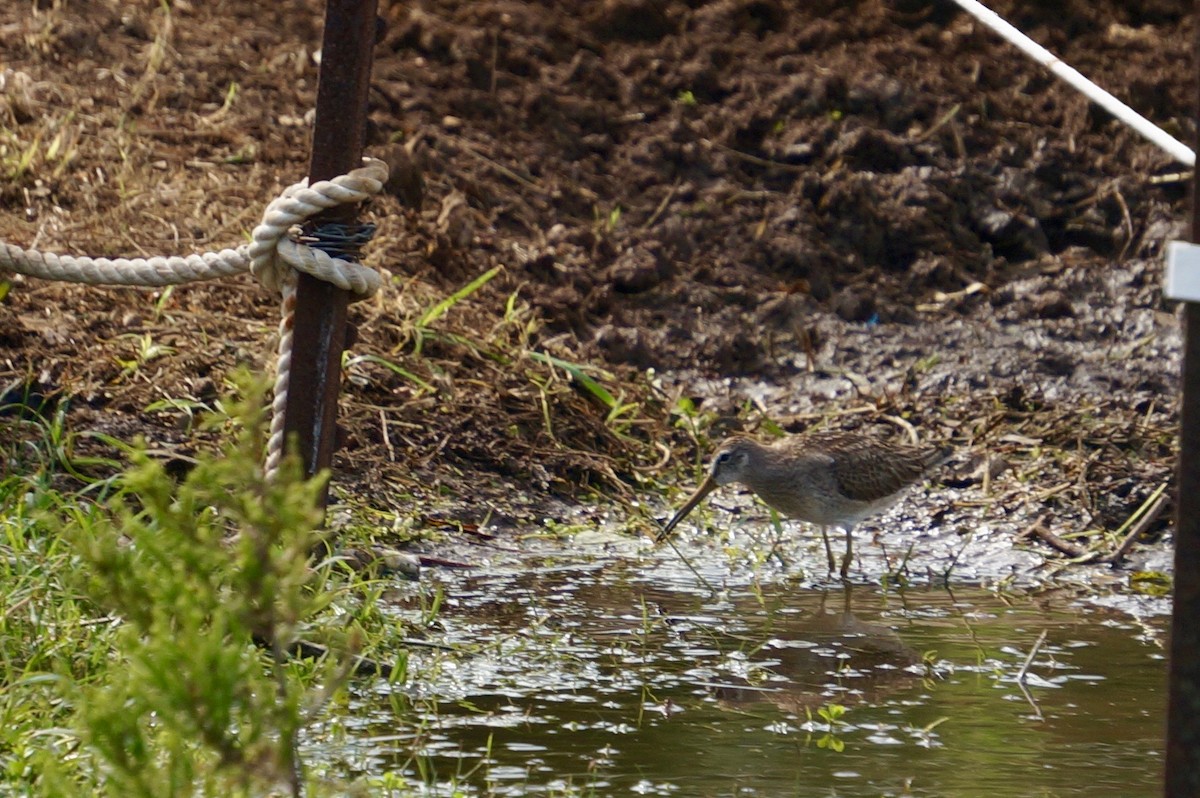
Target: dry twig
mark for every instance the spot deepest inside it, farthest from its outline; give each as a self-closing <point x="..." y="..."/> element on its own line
<point x="1029" y="659"/>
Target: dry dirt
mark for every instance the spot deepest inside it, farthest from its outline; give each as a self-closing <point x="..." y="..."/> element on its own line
<point x="789" y="213"/>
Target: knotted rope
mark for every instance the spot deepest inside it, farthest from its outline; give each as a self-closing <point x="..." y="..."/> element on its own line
<point x="274" y="256"/>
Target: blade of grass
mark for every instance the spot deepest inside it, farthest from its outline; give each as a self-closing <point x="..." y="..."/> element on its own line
<point x="443" y="307"/>
<point x="577" y="373"/>
<point x="387" y="364"/>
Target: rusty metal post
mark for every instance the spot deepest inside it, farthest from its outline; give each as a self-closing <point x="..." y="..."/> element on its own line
<point x="320" y="330"/>
<point x="1183" y="710"/>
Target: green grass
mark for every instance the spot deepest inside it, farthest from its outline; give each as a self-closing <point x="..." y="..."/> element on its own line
<point x="143" y="646"/>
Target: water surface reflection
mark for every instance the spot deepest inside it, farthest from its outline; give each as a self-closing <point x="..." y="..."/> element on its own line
<point x="604" y="678"/>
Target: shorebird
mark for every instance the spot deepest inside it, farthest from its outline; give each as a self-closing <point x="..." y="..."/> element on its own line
<point x="825" y="478"/>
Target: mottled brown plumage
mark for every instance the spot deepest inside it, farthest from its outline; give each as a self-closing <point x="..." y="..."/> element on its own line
<point x="826" y="478"/>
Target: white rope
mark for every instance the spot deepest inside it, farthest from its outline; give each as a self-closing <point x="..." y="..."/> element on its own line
<point x="283" y="379"/>
<point x="276" y="257"/>
<point x="1172" y="146"/>
<point x="272" y="251"/>
<point x="123" y="271"/>
<point x="271" y="257"/>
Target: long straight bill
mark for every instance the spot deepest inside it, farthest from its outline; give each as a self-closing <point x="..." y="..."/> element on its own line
<point x="706" y="487"/>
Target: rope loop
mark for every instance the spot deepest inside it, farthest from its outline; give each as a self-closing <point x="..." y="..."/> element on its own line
<point x="278" y="248"/>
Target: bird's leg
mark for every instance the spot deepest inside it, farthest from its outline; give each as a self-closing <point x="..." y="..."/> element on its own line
<point x="849" y="552"/>
<point x="828" y="549"/>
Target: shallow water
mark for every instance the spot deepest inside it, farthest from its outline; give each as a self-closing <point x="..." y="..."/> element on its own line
<point x="617" y="672"/>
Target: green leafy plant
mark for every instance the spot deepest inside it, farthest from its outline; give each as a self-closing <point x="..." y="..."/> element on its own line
<point x="147" y="350"/>
<point x="188" y="408"/>
<point x="212" y="582"/>
<point x="606" y="222"/>
<point x="832" y="715"/>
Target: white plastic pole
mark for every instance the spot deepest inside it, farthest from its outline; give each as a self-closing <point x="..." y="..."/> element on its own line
<point x="1175" y="148"/>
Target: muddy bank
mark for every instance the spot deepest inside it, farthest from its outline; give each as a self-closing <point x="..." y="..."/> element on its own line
<point x="787" y="213"/>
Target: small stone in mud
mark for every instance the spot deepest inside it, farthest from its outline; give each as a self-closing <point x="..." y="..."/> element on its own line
<point x="624" y="345"/>
<point x="978" y="469"/>
<point x="738" y="353"/>
<point x="1053" y="305"/>
<point x="634" y="20"/>
<point x="1016" y="236"/>
<point x="405" y="181"/>
<point x="635" y="270"/>
<point x="1058" y="364"/>
<point x="855" y="304"/>
<point x="383" y="562"/>
<point x="677" y="238"/>
<point x="556" y="234"/>
<point x="870" y="149"/>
